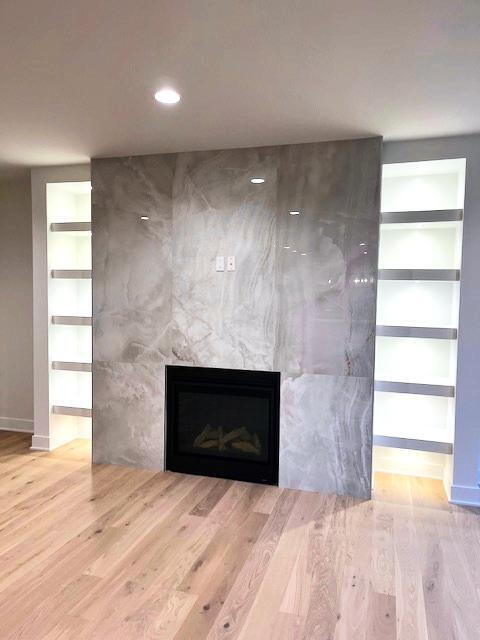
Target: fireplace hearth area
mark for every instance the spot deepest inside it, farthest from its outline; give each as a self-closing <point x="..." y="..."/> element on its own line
<point x="223" y="423"/>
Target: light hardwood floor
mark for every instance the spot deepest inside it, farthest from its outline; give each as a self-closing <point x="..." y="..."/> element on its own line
<point x="108" y="552"/>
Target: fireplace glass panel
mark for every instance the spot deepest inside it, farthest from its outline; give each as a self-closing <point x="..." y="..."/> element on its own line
<point x="223" y="424"/>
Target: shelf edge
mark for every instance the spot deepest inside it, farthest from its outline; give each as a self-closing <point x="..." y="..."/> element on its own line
<point x="72" y="274"/>
<point x="411" y="443"/>
<point x="81" y="321"/>
<point x="78" y="412"/>
<point x="70" y="226"/>
<point x="443" y="390"/>
<point x="62" y="365"/>
<point x="450" y="275"/>
<point x="432" y="215"/>
<point x="394" y="331"/>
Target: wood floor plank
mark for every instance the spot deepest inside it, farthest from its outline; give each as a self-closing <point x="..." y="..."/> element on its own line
<point x="358" y="574"/>
<point x="272" y="591"/>
<point x="235" y="610"/>
<point x="98" y="552"/>
<point x="381" y="622"/>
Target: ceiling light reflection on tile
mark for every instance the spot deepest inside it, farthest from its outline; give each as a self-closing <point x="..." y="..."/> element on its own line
<point x="257" y="180"/>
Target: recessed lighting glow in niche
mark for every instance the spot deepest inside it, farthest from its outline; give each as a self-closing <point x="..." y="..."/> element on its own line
<point x="144" y="218"/>
<point x="294" y="213"/>
<point x="257" y="180"/>
<point x="167" y="96"/>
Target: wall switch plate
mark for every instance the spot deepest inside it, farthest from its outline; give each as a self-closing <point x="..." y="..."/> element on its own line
<point x="231" y="263"/>
<point x="220" y="263"/>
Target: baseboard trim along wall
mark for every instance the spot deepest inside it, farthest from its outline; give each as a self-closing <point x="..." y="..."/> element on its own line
<point x="464" y="495"/>
<point x="41" y="443"/>
<point x="22" y="425"/>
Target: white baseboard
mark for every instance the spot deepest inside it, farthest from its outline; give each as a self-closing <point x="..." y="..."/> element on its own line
<point x="465" y="495"/>
<point x="41" y="443"/>
<point x="21" y="425"/>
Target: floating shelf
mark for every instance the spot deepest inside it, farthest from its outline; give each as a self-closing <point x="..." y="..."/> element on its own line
<point x="451" y="275"/>
<point x="71" y="226"/>
<point x="79" y="321"/>
<point x="410" y="443"/>
<point x="438" y="215"/>
<point x="60" y="365"/>
<point x="447" y="391"/>
<point x="444" y="333"/>
<point x="73" y="274"/>
<point x="79" y="412"/>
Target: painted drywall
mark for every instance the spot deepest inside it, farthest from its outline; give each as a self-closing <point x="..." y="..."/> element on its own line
<point x="16" y="348"/>
<point x="466" y="459"/>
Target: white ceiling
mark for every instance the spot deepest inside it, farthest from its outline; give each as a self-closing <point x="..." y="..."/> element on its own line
<point x="77" y="77"/>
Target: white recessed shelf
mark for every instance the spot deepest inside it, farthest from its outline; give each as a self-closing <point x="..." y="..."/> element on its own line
<point x="79" y="412"/>
<point x="417" y="314"/>
<point x="72" y="274"/>
<point x="415" y="360"/>
<point x="413" y="444"/>
<point x="419" y="217"/>
<point x="443" y="275"/>
<point x="60" y="365"/>
<point x="417" y="388"/>
<point x="416" y="303"/>
<point x="440" y="333"/>
<point x="79" y="321"/>
<point x="414" y="416"/>
<point x="69" y="239"/>
<point x="72" y="227"/>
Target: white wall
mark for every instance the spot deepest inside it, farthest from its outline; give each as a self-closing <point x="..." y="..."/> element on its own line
<point x="466" y="460"/>
<point x="16" y="348"/>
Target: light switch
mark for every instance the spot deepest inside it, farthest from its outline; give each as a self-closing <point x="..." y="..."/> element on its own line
<point x="220" y="263"/>
<point x="231" y="263"/>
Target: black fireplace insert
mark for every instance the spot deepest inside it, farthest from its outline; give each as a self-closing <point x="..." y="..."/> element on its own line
<point x="223" y="423"/>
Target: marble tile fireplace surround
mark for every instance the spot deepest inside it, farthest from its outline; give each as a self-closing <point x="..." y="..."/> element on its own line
<point x="300" y="300"/>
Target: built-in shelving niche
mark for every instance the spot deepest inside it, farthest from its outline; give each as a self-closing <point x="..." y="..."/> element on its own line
<point x="417" y="316"/>
<point x="70" y="309"/>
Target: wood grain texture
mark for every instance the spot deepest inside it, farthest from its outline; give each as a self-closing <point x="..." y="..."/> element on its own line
<point x="103" y="552"/>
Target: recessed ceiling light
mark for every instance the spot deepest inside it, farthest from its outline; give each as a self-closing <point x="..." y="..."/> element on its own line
<point x="167" y="96"/>
<point x="365" y="252"/>
<point x="257" y="180"/>
<point x="303" y="254"/>
<point x="294" y="251"/>
<point x="362" y="244"/>
<point x="286" y="247"/>
<point x="144" y="218"/>
<point x="294" y="213"/>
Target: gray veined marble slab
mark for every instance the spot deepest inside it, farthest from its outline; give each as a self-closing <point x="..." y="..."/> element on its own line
<point x="325" y="319"/>
<point x="326" y="434"/>
<point x="224" y="319"/>
<point x="132" y="285"/>
<point x="128" y="410"/>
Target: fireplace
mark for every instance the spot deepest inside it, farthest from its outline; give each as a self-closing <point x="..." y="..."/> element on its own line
<point x="223" y="423"/>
